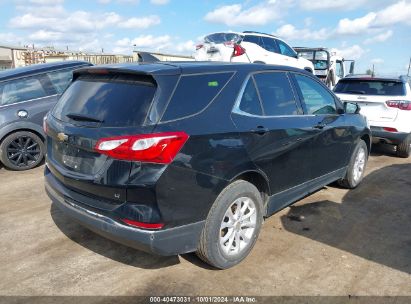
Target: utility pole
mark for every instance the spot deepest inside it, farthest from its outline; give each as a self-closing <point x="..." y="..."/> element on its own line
<point x="409" y="65"/>
<point x="373" y="70"/>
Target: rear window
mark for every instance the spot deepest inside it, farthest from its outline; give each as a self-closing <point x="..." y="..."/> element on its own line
<point x="370" y="87"/>
<point x="222" y="37"/>
<point x="116" y="101"/>
<point x="194" y="93"/>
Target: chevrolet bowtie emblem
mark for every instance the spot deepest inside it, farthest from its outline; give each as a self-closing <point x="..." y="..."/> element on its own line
<point x="62" y="137"/>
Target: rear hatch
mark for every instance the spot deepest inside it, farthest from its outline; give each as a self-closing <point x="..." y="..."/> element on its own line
<point x="217" y="47"/>
<point x="97" y="106"/>
<point x="373" y="96"/>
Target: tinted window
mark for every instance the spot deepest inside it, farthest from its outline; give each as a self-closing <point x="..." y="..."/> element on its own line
<point x="285" y="49"/>
<point x="315" y="97"/>
<point x="269" y="44"/>
<point x="276" y="94"/>
<point x="253" y="39"/>
<point x="194" y="93"/>
<point x="370" y="87"/>
<point x="250" y="103"/>
<point x="117" y="101"/>
<point x="61" y="79"/>
<point x="21" y="90"/>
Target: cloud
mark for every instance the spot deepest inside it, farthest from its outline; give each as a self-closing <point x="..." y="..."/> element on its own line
<point x="140" y="23"/>
<point x="360" y="25"/>
<point x="159" y="2"/>
<point x="239" y="15"/>
<point x="354" y="52"/>
<point x="377" y="61"/>
<point x="290" y="32"/>
<point x="396" y="13"/>
<point x="379" y="37"/>
<point x="314" y="5"/>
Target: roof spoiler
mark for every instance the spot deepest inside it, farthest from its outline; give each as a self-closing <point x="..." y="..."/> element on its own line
<point x="146" y="57"/>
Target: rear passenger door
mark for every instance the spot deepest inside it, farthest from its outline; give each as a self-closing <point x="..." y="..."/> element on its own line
<point x="274" y="130"/>
<point x="332" y="140"/>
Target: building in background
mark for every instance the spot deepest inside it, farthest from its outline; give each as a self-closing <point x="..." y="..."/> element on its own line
<point x="164" y="56"/>
<point x="16" y="56"/>
<point x="11" y="56"/>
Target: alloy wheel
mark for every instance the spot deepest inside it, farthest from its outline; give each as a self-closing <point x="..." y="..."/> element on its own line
<point x="23" y="151"/>
<point x="238" y="226"/>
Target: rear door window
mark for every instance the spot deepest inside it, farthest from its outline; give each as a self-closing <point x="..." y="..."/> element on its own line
<point x="19" y="90"/>
<point x="115" y="100"/>
<point x="270" y="44"/>
<point x="276" y="94"/>
<point x="316" y="98"/>
<point x="250" y="103"/>
<point x="194" y="93"/>
<point x="253" y="39"/>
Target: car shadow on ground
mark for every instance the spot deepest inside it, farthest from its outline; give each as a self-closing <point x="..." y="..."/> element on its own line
<point x="372" y="222"/>
<point x="112" y="250"/>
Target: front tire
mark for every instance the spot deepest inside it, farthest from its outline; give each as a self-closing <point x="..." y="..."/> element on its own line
<point x="232" y="226"/>
<point x="21" y="150"/>
<point x="403" y="149"/>
<point x="356" y="167"/>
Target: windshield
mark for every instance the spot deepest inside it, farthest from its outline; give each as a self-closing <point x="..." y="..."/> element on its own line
<point x="370" y="87"/>
<point x="222" y="37"/>
<point x="318" y="58"/>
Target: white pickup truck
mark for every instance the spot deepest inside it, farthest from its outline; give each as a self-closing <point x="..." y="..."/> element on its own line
<point x="328" y="65"/>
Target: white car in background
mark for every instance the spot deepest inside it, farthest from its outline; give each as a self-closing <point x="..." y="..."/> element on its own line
<point x="252" y="47"/>
<point x="386" y="102"/>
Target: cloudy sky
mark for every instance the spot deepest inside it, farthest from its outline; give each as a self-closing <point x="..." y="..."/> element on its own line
<point x="370" y="31"/>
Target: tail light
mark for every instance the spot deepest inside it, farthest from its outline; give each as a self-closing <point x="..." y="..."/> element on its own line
<point x="388" y="129"/>
<point x="238" y="50"/>
<point x="158" y="148"/>
<point x="143" y="225"/>
<point x="399" y="104"/>
<point x="199" y="46"/>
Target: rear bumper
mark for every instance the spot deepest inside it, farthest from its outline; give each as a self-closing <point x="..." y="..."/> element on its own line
<point x="395" y="138"/>
<point x="165" y="242"/>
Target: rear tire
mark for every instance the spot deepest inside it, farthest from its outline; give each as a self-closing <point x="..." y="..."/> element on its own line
<point x="232" y="226"/>
<point x="356" y="166"/>
<point x="22" y="150"/>
<point x="403" y="149"/>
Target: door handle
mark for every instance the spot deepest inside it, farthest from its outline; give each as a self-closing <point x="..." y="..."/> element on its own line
<point x="320" y="126"/>
<point x="260" y="130"/>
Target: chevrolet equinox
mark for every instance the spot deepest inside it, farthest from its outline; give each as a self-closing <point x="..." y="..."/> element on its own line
<point x="172" y="158"/>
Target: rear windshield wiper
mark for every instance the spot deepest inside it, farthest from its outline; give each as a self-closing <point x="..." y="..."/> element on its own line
<point x="83" y="117"/>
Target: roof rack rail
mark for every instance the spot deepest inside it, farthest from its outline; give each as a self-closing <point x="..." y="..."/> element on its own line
<point x="255" y="32"/>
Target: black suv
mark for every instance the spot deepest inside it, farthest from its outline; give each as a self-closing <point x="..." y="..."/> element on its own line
<point x="26" y="95"/>
<point x="172" y="158"/>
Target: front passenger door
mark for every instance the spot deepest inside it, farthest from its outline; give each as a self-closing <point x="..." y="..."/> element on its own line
<point x="332" y="140"/>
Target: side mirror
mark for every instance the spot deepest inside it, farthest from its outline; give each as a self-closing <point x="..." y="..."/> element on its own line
<point x="351" y="108"/>
<point x="352" y="65"/>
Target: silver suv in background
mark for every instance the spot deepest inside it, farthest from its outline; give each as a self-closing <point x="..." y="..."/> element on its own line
<point x="26" y="95"/>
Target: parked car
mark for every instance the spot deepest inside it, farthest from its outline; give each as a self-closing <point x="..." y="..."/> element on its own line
<point x="173" y="158"/>
<point x="251" y="47"/>
<point x="386" y="102"/>
<point x="26" y="95"/>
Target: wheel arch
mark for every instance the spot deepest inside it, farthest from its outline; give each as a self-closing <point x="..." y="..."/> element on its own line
<point x="367" y="139"/>
<point x="17" y="127"/>
<point x="259" y="180"/>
